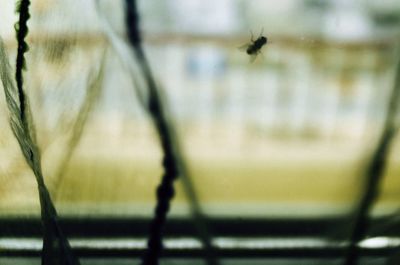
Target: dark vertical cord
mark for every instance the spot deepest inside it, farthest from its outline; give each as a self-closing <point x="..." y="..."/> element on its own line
<point x="172" y="162"/>
<point x="21" y="28"/>
<point x="56" y="249"/>
<point x="374" y="173"/>
<point x="165" y="190"/>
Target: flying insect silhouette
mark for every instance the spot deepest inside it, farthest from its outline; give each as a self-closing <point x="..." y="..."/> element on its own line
<point x="253" y="48"/>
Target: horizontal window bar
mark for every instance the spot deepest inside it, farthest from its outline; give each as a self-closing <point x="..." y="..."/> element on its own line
<point x="184" y="227"/>
<point x="192" y="247"/>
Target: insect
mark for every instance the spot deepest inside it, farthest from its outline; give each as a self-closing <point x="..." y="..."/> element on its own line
<point x="253" y="48"/>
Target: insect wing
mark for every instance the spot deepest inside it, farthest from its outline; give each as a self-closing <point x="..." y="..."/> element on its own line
<point x="253" y="57"/>
<point x="244" y="46"/>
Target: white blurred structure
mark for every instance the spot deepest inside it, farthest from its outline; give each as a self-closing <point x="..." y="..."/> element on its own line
<point x="324" y="76"/>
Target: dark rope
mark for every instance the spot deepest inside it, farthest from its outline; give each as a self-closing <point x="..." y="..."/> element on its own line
<point x="374" y="174"/>
<point x="172" y="162"/>
<point x="56" y="249"/>
<point x="165" y="191"/>
<point x="21" y="28"/>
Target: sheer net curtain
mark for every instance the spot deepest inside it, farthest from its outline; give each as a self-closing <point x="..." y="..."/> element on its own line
<point x="229" y="114"/>
<point x="78" y="126"/>
<point x="294" y="135"/>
